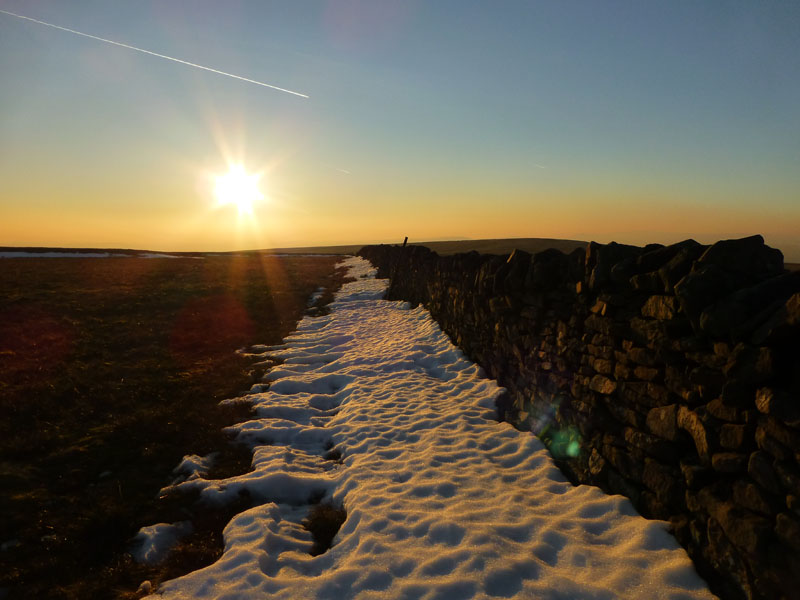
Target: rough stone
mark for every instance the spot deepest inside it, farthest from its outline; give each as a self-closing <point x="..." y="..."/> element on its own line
<point x="779" y="404"/>
<point x="745" y="529"/>
<point x="696" y="476"/>
<point x="624" y="461"/>
<point x="646" y="373"/>
<point x="663" y="421"/>
<point x="701" y="288"/>
<point x="665" y="482"/>
<point x="733" y="436"/>
<point x="750" y="496"/>
<point x="784" y="324"/>
<point x="747" y="257"/>
<point x="788" y="476"/>
<point x="729" y="462"/>
<point x="769" y="444"/>
<point x="735" y="316"/>
<point x="680" y="264"/>
<point x="647" y="282"/>
<point x="693" y="425"/>
<point x="518" y="264"/>
<point x="602" y="385"/>
<point x="787" y="526"/>
<point x="660" y="307"/>
<point x="723" y="556"/>
<point x="760" y="468"/>
<point x="750" y="365"/>
<point x="600" y="259"/>
<point x="651" y="445"/>
<point x="642" y="356"/>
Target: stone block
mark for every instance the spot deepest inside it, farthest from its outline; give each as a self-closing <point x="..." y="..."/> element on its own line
<point x="598" y="465"/>
<point x="749" y="258"/>
<point x="621" y="371"/>
<point x="625" y="460"/>
<point x="602" y="385"/>
<point x="787" y="527"/>
<point x="649" y="283"/>
<point x="761" y="470"/>
<point x="661" y="307"/>
<point x="650" y="445"/>
<point x="619" y="485"/>
<point x="724" y="557"/>
<point x="667" y="483"/>
<point x="769" y="444"/>
<point x="690" y="422"/>
<point x="747" y="530"/>
<point x="750" y="364"/>
<point x="679" y="265"/>
<point x="729" y="462"/>
<point x="663" y="421"/>
<point x="783" y="325"/>
<point x="735" y="436"/>
<point x="647" y="373"/>
<point x="701" y="287"/>
<point x="750" y="496"/>
<point x="788" y="476"/>
<point x="642" y="356"/>
<point x="780" y="404"/>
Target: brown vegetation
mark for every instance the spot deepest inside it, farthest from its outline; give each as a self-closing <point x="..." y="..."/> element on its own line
<point x="112" y="370"/>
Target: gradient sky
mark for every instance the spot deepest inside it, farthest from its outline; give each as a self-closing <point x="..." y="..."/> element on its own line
<point x="630" y="121"/>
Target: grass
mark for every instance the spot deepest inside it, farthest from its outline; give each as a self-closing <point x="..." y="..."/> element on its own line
<point x="110" y="371"/>
<point x="324" y="521"/>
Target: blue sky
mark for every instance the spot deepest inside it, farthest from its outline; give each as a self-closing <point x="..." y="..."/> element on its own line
<point x="635" y="121"/>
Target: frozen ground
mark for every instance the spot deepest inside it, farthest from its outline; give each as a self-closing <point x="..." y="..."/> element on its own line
<point x="442" y="501"/>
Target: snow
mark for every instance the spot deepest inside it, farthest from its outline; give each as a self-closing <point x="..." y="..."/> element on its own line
<point x="194" y="467"/>
<point x="152" y="543"/>
<point x="442" y="501"/>
<point x="316" y="296"/>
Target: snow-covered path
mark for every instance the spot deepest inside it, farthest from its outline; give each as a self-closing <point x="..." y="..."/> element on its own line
<point x="442" y="501"/>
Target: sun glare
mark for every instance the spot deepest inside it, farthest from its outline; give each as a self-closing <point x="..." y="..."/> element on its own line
<point x="239" y="188"/>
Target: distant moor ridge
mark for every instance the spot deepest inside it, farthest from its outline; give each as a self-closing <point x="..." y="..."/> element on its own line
<point x="668" y="374"/>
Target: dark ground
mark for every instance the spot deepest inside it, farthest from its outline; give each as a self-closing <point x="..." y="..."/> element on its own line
<point x="111" y="370"/>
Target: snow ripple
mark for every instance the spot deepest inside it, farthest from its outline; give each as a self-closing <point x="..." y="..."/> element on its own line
<point x="442" y="501"/>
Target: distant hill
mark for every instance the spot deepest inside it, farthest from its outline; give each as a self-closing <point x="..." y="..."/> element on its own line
<point x="491" y="246"/>
<point x="494" y="246"/>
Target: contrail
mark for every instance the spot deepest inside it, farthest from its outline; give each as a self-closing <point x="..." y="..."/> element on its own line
<point x="177" y="60"/>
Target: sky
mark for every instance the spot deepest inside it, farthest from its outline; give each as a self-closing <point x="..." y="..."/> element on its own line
<point x="637" y="122"/>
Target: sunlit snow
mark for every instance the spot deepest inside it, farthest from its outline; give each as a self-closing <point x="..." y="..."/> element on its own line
<point x="442" y="501"/>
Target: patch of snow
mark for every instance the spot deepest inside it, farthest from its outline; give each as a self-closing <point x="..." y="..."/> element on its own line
<point x="145" y="587"/>
<point x="315" y="296"/>
<point x="153" y="543"/>
<point x="442" y="501"/>
<point x="194" y="467"/>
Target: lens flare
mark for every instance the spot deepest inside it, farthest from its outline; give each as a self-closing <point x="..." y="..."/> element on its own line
<point x="239" y="188"/>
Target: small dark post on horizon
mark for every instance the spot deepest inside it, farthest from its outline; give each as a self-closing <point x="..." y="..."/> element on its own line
<point x="405" y="241"/>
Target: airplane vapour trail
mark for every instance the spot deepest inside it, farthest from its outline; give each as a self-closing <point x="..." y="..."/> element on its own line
<point x="164" y="56"/>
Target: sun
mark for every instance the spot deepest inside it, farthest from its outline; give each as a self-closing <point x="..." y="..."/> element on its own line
<point x="239" y="188"/>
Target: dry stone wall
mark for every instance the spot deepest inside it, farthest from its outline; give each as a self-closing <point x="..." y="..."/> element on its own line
<point x="668" y="374"/>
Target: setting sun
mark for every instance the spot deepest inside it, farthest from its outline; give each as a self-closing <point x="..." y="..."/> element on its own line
<point x="239" y="188"/>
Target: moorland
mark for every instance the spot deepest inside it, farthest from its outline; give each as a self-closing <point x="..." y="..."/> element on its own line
<point x="112" y="370"/>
